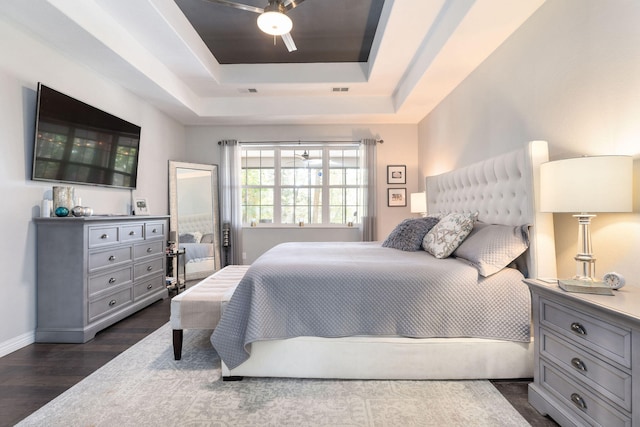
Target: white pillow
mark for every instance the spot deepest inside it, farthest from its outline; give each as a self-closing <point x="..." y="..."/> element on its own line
<point x="448" y="233"/>
<point x="491" y="247"/>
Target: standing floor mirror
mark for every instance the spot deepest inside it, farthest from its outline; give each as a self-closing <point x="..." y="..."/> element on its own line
<point x="193" y="200"/>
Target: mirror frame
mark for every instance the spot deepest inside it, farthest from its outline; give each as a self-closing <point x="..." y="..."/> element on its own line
<point x="173" y="203"/>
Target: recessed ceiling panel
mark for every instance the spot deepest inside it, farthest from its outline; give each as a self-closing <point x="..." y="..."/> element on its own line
<point x="323" y="31"/>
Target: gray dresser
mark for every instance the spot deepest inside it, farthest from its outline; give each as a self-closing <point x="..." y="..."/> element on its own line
<point x="95" y="271"/>
<point x="587" y="351"/>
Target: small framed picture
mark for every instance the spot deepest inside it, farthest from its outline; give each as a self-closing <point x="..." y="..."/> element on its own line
<point x="141" y="207"/>
<point x="396" y="174"/>
<point x="396" y="197"/>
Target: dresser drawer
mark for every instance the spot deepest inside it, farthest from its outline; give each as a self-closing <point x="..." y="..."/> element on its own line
<point x="109" y="303"/>
<point x="578" y="399"/>
<point x="110" y="279"/>
<point x="607" y="380"/>
<point x="100" y="236"/>
<point x="110" y="257"/>
<point x="145" y="268"/>
<point x="154" y="230"/>
<point x="604" y="338"/>
<point x="153" y="248"/>
<point x="131" y="232"/>
<point x="140" y="290"/>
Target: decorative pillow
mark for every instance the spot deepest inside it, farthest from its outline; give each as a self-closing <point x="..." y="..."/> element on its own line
<point x="408" y="235"/>
<point x="491" y="247"/>
<point x="193" y="237"/>
<point x="207" y="238"/>
<point x="448" y="233"/>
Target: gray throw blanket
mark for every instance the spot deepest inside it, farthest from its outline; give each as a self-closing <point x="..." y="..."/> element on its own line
<point x="361" y="288"/>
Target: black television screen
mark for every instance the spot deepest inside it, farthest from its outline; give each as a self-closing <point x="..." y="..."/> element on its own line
<point x="80" y="144"/>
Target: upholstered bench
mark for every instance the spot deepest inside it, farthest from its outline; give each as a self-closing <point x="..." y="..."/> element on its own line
<point x="200" y="306"/>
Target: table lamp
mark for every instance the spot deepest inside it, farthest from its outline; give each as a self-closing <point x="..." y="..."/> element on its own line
<point x="584" y="186"/>
<point x="419" y="203"/>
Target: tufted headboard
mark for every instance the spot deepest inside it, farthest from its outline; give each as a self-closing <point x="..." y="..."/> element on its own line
<point x="503" y="190"/>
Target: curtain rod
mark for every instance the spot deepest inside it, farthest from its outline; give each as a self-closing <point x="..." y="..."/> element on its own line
<point x="379" y="141"/>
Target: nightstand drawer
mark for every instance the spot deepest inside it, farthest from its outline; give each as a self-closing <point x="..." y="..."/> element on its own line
<point x="100" y="236"/>
<point x="133" y="232"/>
<point x="580" y="400"/>
<point x="607" y="380"/>
<point x="110" y="257"/>
<point x="142" y="250"/>
<point x="606" y="339"/>
<point x="152" y="266"/>
<point x="153" y="230"/>
<point x="109" y="303"/>
<point x="110" y="279"/>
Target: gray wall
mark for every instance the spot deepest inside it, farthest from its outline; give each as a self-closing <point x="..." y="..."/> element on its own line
<point x="571" y="76"/>
<point x="23" y="63"/>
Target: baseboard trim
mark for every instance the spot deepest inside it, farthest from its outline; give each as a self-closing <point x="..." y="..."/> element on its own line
<point x="17" y="343"/>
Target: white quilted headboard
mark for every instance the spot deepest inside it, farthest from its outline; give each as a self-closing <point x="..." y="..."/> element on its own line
<point x="503" y="190"/>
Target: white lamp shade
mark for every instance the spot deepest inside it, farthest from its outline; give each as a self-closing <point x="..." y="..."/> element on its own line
<point x="418" y="202"/>
<point x="587" y="184"/>
<point x="275" y="23"/>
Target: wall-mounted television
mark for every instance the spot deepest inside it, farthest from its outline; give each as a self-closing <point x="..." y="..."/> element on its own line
<point x="76" y="143"/>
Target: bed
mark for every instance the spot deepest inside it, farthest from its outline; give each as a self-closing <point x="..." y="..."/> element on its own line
<point x="402" y="342"/>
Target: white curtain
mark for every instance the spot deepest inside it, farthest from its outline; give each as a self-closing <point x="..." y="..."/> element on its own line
<point x="368" y="167"/>
<point x="230" y="195"/>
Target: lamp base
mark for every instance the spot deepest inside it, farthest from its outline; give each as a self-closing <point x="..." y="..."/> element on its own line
<point x="585" y="287"/>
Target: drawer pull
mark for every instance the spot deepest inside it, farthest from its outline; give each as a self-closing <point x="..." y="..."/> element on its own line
<point x="132" y="233"/>
<point x="112" y="303"/>
<point x="154" y="231"/>
<point x="149" y="286"/>
<point x="578" y="329"/>
<point x="112" y="280"/>
<point x="578" y="401"/>
<point x="112" y="258"/>
<point x="149" y="250"/>
<point x="149" y="268"/>
<point x="578" y="364"/>
<point x="104" y="236"/>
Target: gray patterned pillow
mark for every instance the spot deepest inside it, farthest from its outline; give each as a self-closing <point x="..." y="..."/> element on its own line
<point x="408" y="235"/>
<point x="447" y="234"/>
<point x="491" y="247"/>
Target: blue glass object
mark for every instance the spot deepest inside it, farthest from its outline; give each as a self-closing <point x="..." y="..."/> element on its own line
<point x="62" y="211"/>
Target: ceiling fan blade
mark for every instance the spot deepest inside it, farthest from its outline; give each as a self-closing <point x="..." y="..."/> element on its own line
<point x="236" y="5"/>
<point x="291" y="4"/>
<point x="288" y="42"/>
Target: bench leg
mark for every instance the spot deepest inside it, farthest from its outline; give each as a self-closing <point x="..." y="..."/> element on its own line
<point x="177" y="344"/>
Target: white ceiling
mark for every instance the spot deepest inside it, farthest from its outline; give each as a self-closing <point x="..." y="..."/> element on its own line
<point x="423" y="49"/>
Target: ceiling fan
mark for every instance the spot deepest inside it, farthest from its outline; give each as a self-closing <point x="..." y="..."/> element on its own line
<point x="273" y="19"/>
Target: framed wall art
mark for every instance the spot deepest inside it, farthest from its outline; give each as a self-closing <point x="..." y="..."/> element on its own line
<point x="396" y="197"/>
<point x="396" y="174"/>
<point x="141" y="207"/>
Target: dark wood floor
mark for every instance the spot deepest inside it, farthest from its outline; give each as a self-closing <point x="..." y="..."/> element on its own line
<point x="37" y="373"/>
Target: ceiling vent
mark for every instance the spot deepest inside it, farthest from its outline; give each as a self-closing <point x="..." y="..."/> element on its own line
<point x="340" y="89"/>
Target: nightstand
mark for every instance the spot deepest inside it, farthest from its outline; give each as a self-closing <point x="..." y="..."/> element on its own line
<point x="584" y="370"/>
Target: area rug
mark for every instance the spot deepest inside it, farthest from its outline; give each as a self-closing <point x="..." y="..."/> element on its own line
<point x="144" y="386"/>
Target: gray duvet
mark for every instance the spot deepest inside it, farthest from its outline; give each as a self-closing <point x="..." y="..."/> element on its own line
<point x="361" y="288"/>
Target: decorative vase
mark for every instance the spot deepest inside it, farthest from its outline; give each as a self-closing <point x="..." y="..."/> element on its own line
<point x="62" y="211"/>
<point x="63" y="197"/>
<point x="77" y="211"/>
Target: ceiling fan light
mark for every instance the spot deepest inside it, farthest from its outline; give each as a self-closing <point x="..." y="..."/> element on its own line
<point x="274" y="23"/>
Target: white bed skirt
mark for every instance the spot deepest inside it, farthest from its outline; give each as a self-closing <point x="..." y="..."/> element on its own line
<point x="388" y="358"/>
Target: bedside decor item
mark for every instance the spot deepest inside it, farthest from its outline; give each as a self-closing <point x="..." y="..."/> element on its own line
<point x="419" y="203"/>
<point x="141" y="206"/>
<point x="582" y="186"/>
<point x="62" y="211"/>
<point x="614" y="280"/>
<point x="396" y="174"/>
<point x="396" y="197"/>
<point x="63" y="197"/>
<point x="77" y="211"/>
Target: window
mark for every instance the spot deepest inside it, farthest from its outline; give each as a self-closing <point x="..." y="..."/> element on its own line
<point x="300" y="184"/>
